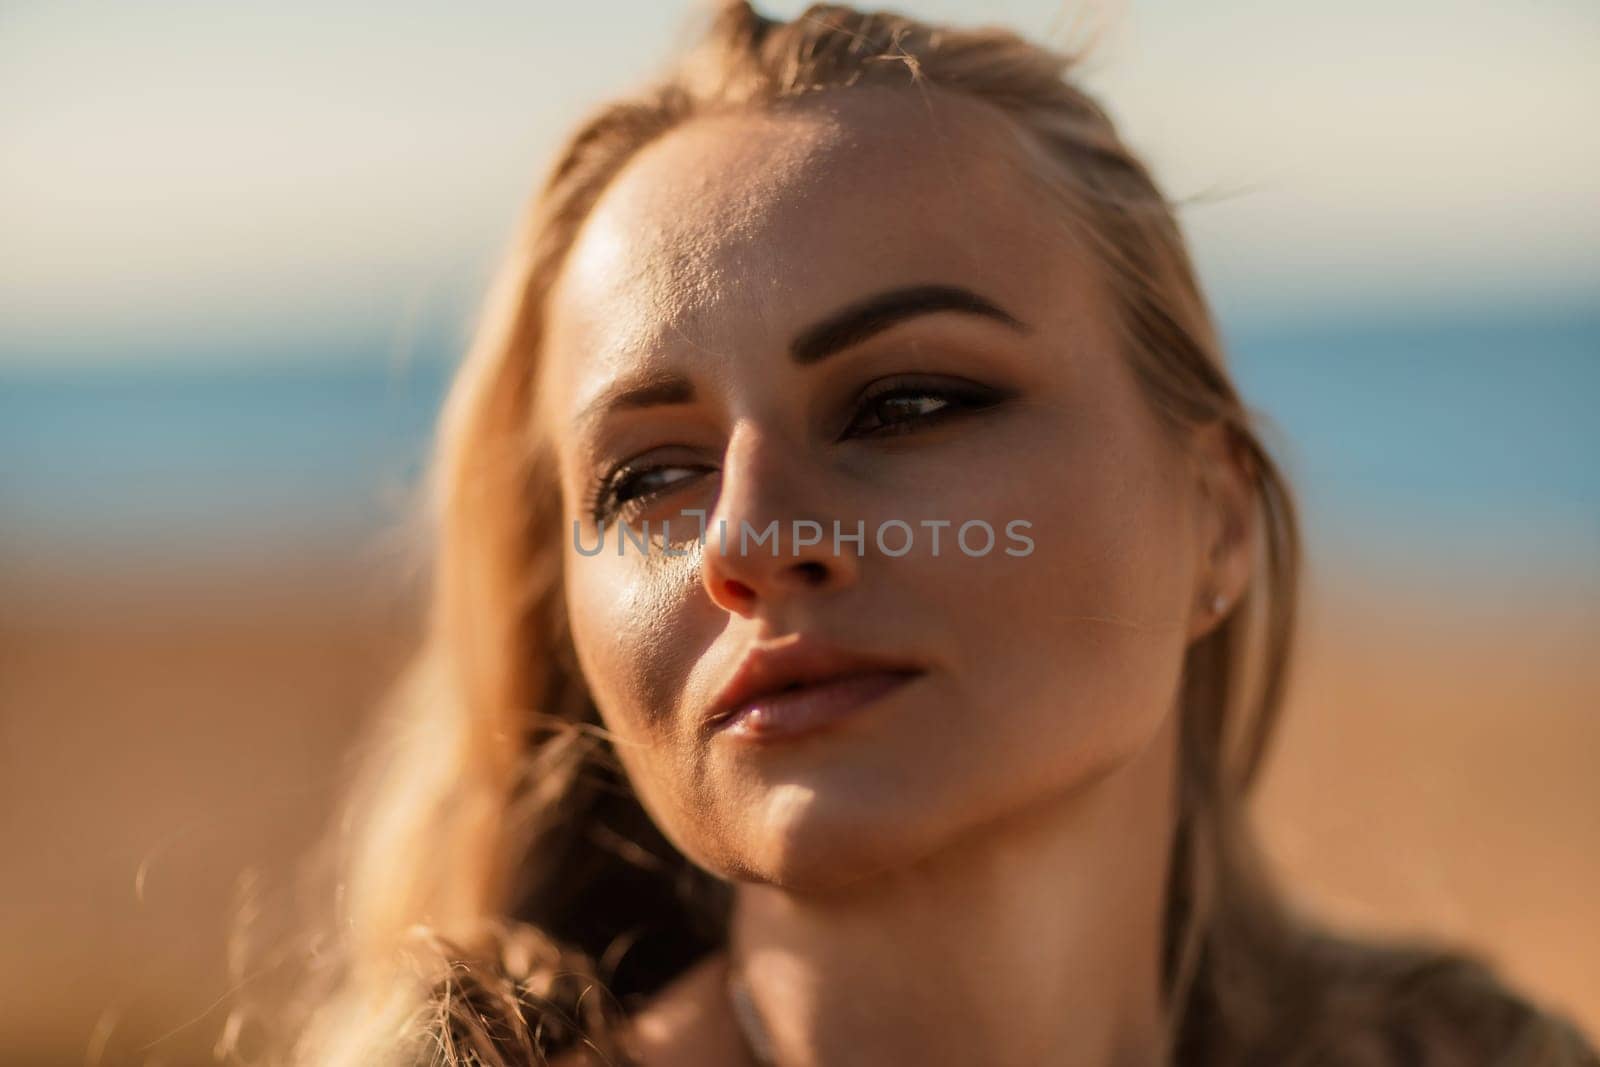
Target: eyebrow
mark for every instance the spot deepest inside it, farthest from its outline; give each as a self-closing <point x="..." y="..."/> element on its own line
<point x="849" y="326"/>
<point x="859" y="321"/>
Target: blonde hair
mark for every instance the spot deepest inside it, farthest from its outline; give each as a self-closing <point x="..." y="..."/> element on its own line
<point x="502" y="895"/>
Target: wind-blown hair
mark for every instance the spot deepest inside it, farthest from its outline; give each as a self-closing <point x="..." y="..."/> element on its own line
<point x="502" y="895"/>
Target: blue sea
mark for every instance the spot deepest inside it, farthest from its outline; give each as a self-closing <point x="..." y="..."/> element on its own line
<point x="1463" y="442"/>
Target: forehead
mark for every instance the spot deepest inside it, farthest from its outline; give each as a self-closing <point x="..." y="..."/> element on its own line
<point x="759" y="222"/>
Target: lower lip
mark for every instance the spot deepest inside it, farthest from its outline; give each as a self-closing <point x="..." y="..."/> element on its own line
<point x="815" y="707"/>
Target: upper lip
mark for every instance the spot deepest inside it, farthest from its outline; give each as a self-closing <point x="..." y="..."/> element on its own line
<point x="800" y="660"/>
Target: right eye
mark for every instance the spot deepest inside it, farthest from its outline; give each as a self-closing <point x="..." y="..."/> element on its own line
<point x="630" y="487"/>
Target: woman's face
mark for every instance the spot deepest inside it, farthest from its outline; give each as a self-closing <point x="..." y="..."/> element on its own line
<point x="685" y="372"/>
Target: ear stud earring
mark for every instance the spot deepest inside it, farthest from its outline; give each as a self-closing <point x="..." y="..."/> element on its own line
<point x="1219" y="603"/>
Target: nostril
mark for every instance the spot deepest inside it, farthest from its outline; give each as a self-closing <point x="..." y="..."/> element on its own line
<point x="812" y="572"/>
<point x="737" y="589"/>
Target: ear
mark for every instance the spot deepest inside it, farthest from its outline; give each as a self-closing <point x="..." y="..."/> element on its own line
<point x="1227" y="525"/>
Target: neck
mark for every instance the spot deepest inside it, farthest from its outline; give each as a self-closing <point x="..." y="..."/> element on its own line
<point x="1032" y="939"/>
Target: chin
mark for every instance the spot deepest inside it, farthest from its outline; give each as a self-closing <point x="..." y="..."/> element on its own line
<point x="805" y="838"/>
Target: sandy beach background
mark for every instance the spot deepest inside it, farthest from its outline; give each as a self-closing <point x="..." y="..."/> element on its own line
<point x="1435" y="775"/>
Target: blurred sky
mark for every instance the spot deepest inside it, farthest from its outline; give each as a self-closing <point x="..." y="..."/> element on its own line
<point x="1396" y="208"/>
<point x="179" y="173"/>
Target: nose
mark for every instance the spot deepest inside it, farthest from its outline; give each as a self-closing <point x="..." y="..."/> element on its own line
<point x="765" y="542"/>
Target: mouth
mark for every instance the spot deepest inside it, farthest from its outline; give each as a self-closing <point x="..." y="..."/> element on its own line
<point x="802" y="685"/>
<point x="799" y="710"/>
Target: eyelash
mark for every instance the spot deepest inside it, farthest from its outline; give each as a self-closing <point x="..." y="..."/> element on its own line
<point x="958" y="399"/>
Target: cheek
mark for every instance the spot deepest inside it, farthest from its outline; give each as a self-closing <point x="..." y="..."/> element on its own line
<point x="1078" y="646"/>
<point x="628" y="619"/>
<point x="638" y="634"/>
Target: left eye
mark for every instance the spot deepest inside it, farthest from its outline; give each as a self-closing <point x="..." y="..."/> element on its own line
<point x="901" y="408"/>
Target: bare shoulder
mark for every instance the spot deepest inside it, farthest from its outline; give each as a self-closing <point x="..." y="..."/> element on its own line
<point x="686" y="1024"/>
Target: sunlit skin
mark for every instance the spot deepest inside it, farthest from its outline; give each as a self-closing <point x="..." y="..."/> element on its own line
<point x="969" y="870"/>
